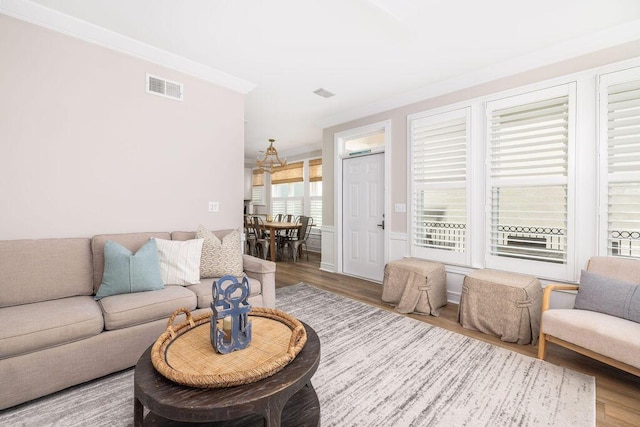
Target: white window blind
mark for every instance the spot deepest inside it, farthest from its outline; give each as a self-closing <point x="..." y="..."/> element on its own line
<point x="529" y="147"/>
<point x="315" y="203"/>
<point x="287" y="205"/>
<point x="439" y="145"/>
<point x="315" y="211"/>
<point x="620" y="143"/>
<point x="257" y="195"/>
<point x="315" y="192"/>
<point x="257" y="188"/>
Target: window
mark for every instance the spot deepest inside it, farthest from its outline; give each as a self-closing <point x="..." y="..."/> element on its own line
<point x="439" y="185"/>
<point x="529" y="149"/>
<point x="373" y="143"/>
<point x="297" y="190"/>
<point x="257" y="188"/>
<point x="287" y="190"/>
<point x="552" y="176"/>
<point x="620" y="163"/>
<point x="315" y="191"/>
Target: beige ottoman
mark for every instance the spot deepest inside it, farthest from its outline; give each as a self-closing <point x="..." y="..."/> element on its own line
<point x="503" y="304"/>
<point x="415" y="286"/>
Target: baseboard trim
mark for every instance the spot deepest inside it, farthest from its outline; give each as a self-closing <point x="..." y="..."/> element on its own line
<point x="453" y="297"/>
<point x="328" y="267"/>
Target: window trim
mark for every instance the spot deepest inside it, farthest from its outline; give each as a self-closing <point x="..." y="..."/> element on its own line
<point x="604" y="80"/>
<point x="528" y="266"/>
<point x="306" y="180"/>
<point x="586" y="165"/>
<point x="441" y="115"/>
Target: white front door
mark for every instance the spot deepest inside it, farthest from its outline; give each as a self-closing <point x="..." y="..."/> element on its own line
<point x="363" y="216"/>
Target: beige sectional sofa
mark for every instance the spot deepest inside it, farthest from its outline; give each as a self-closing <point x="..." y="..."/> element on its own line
<point x="54" y="334"/>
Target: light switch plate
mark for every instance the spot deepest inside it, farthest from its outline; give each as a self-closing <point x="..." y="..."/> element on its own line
<point x="214" y="206"/>
<point x="401" y="207"/>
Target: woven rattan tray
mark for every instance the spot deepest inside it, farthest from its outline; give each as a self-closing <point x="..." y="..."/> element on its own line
<point x="184" y="354"/>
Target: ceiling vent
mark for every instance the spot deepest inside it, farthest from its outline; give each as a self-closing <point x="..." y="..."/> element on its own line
<point x="163" y="87"/>
<point x="323" y="93"/>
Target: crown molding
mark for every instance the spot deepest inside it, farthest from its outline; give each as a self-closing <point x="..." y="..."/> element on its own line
<point x="74" y="27"/>
<point x="571" y="49"/>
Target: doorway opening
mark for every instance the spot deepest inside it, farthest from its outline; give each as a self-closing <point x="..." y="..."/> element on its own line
<point x="361" y="200"/>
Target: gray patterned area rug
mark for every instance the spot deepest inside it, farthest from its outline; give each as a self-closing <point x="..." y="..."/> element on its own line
<point x="377" y="368"/>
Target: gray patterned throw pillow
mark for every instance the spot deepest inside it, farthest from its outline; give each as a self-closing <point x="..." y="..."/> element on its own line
<point x="220" y="257"/>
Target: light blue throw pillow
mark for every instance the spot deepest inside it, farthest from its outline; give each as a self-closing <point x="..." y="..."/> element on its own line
<point x="125" y="272"/>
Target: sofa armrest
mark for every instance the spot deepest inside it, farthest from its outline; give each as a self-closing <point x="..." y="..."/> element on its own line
<point x="265" y="272"/>
<point x="546" y="296"/>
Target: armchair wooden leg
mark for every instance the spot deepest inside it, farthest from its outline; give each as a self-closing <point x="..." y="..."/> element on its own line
<point x="542" y="346"/>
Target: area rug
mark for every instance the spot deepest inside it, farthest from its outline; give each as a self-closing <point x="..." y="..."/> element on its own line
<point x="377" y="368"/>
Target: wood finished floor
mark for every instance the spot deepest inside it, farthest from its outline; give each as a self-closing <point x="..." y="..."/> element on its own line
<point x="617" y="392"/>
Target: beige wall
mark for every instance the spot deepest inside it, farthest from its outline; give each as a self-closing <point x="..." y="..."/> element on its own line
<point x="398" y="118"/>
<point x="85" y="150"/>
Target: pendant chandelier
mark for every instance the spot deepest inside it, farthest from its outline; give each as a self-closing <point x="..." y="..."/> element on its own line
<point x="271" y="159"/>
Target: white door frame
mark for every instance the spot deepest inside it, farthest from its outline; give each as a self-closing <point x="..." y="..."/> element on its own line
<point x="339" y="142"/>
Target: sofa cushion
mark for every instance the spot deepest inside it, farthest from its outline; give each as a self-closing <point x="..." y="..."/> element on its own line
<point x="123" y="310"/>
<point x="40" y="325"/>
<point x="188" y="235"/>
<point x="220" y="257"/>
<point x="44" y="269"/>
<point x="626" y="269"/>
<point x="608" y="335"/>
<point x="131" y="241"/>
<point x="125" y="272"/>
<point x="203" y="290"/>
<point x="180" y="261"/>
<point x="608" y="295"/>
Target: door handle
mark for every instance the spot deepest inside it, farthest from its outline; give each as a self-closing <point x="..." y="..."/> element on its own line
<point x="381" y="225"/>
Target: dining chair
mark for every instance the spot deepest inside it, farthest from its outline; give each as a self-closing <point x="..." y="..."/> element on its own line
<point x="300" y="237"/>
<point x="262" y="242"/>
<point x="250" y="235"/>
<point x="280" y="234"/>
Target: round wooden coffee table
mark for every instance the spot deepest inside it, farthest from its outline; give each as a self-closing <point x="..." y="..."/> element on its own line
<point x="286" y="398"/>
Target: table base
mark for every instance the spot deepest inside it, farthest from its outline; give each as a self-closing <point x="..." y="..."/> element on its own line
<point x="302" y="410"/>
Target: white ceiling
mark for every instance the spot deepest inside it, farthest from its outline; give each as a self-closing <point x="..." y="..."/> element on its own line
<point x="371" y="53"/>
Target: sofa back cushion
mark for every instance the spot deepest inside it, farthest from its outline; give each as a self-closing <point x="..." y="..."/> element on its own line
<point x="131" y="241"/>
<point x="188" y="235"/>
<point x="44" y="269"/>
<point x="625" y="269"/>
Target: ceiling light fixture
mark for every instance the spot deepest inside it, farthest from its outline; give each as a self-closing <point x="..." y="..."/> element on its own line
<point x="271" y="159"/>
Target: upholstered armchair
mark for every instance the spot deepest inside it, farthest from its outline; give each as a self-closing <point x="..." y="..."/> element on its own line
<point x="603" y="324"/>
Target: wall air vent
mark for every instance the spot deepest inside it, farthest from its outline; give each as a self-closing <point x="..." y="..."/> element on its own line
<point x="163" y="87"/>
<point x="323" y="93"/>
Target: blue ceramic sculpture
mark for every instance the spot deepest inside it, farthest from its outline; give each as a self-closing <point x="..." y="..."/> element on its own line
<point x="230" y="305"/>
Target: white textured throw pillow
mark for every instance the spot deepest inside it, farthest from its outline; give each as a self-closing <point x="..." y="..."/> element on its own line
<point x="180" y="261"/>
<point x="220" y="257"/>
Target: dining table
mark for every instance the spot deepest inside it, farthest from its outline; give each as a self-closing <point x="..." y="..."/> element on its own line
<point x="274" y="227"/>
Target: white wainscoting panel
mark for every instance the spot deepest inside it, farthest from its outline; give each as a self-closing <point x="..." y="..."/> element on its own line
<point x="314" y="242"/>
<point x="455" y="277"/>
<point x="398" y="246"/>
<point x="328" y="255"/>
